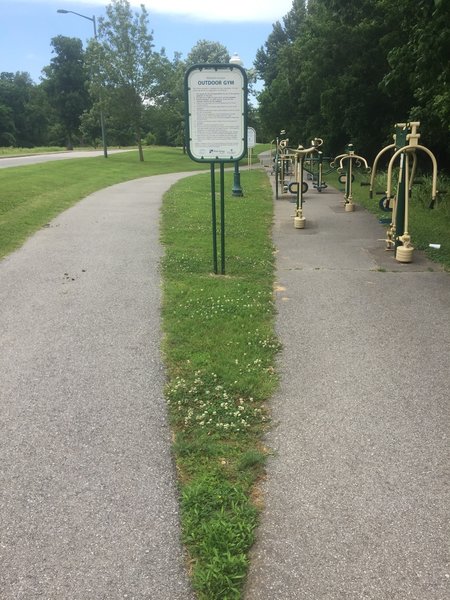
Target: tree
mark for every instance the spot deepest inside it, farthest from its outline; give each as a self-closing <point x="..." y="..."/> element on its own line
<point x="165" y="115"/>
<point x="24" y="111"/>
<point x="206" y="52"/>
<point x="419" y="68"/>
<point x="324" y="65"/>
<point x="7" y="128"/>
<point x="348" y="71"/>
<point x="122" y="63"/>
<point x="65" y="82"/>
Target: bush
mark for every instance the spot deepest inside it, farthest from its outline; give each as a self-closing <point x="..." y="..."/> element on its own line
<point x="150" y="139"/>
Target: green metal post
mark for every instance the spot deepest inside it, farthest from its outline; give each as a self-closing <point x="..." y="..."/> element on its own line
<point x="300" y="182"/>
<point x="319" y="176"/>
<point x="222" y="216"/>
<point x="401" y="195"/>
<point x="237" y="190"/>
<point x="400" y="142"/>
<point x="213" y="216"/>
<point x="276" y="172"/>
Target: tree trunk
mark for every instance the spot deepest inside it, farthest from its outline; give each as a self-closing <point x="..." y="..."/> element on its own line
<point x="139" y="141"/>
<point x="141" y="152"/>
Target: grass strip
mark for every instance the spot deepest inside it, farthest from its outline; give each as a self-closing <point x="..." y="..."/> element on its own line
<point x="220" y="348"/>
<point x="9" y="151"/>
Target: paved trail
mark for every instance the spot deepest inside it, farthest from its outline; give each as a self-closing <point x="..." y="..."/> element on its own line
<point x="88" y="499"/>
<point x="357" y="501"/>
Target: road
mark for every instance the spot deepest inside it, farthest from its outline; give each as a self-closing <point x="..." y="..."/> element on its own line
<point x="22" y="161"/>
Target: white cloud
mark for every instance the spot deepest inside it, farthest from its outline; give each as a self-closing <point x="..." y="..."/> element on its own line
<point x="225" y="10"/>
<point x="209" y="10"/>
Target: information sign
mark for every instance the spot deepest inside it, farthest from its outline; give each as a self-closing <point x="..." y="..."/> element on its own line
<point x="251" y="137"/>
<point x="216" y="112"/>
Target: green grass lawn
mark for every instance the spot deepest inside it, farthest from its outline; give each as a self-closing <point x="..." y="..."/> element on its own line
<point x="220" y="349"/>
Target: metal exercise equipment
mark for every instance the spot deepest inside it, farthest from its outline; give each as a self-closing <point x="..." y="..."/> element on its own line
<point x="284" y="168"/>
<point x="405" y="146"/>
<point x="348" y="162"/>
<point x="299" y="158"/>
<point x="314" y="166"/>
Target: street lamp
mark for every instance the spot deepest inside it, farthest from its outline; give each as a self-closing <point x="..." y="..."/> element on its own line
<point x="102" y="117"/>
<point x="237" y="190"/>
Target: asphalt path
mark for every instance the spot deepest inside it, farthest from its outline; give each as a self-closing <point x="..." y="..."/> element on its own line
<point x="88" y="496"/>
<point x="23" y="161"/>
<point x="356" y="496"/>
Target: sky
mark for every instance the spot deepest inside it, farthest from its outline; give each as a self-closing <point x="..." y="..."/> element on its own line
<point x="242" y="26"/>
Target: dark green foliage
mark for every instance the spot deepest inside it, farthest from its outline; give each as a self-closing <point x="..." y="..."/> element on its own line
<point x="348" y="71"/>
<point x="24" y="111"/>
<point x="66" y="84"/>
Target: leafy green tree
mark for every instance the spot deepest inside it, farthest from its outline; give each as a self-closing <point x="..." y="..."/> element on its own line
<point x="342" y="75"/>
<point x="65" y="82"/>
<point x="38" y="117"/>
<point x="324" y="66"/>
<point x="122" y="62"/>
<point x="206" y="52"/>
<point x="348" y="71"/>
<point x="7" y="128"/>
<point x="24" y="111"/>
<point x="165" y="115"/>
<point x="90" y="127"/>
<point x="419" y="68"/>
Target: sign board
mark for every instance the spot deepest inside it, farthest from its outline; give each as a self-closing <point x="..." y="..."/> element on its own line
<point x="251" y="137"/>
<point x="216" y="112"/>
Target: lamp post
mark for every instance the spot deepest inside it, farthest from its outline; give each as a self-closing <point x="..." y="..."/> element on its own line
<point x="237" y="190"/>
<point x="102" y="117"/>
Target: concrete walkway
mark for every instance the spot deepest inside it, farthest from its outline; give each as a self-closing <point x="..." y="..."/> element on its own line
<point x="88" y="498"/>
<point x="357" y="501"/>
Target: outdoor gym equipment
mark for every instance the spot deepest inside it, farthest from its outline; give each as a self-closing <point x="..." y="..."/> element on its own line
<point x="406" y="144"/>
<point x="314" y="165"/>
<point x="347" y="163"/>
<point x="299" y="158"/>
<point x="284" y="168"/>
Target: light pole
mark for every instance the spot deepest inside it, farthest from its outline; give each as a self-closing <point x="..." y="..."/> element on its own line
<point x="102" y="117"/>
<point x="237" y="190"/>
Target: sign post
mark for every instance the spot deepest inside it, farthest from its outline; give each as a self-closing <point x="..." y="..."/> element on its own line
<point x="216" y="127"/>
<point x="251" y="143"/>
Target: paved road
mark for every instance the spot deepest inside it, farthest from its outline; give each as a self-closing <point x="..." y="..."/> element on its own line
<point x="357" y="501"/>
<point x="22" y="161"/>
<point x="88" y="499"/>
